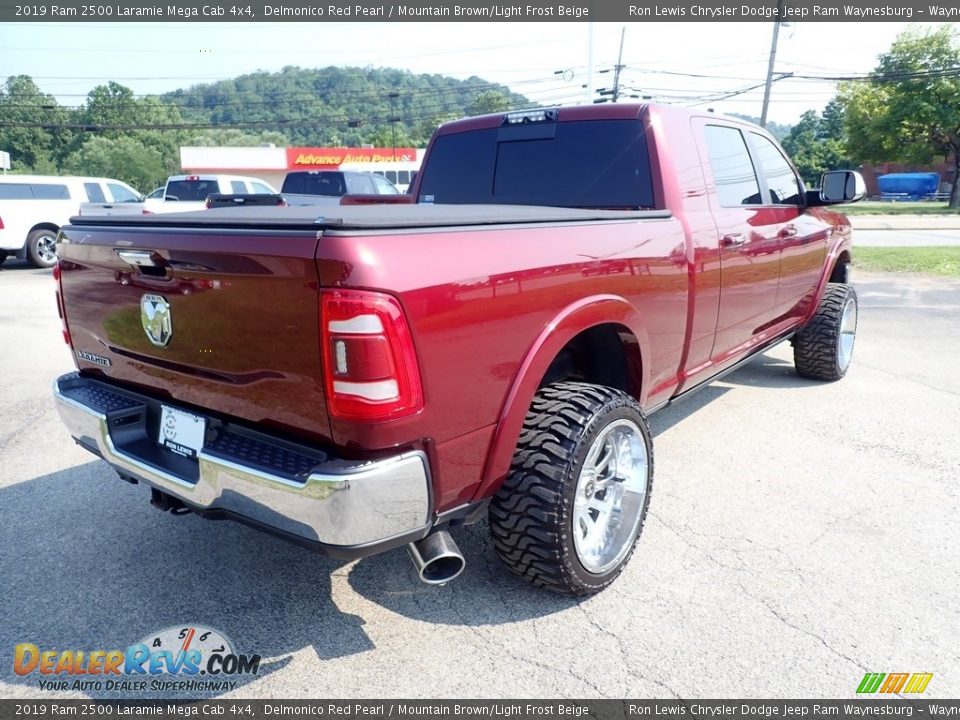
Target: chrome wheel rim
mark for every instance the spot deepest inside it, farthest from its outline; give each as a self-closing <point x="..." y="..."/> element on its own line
<point x="848" y="333"/>
<point x="47" y="248"/>
<point x="610" y="495"/>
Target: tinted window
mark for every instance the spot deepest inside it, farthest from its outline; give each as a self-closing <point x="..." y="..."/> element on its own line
<point x="358" y="184"/>
<point x="42" y="191"/>
<point x="781" y="181"/>
<point x="15" y="191"/>
<point x="600" y="163"/>
<point x="191" y="190"/>
<point x="732" y="168"/>
<point x="94" y="192"/>
<point x="238" y="187"/>
<point x="391" y="175"/>
<point x="403" y="177"/>
<point x="321" y="183"/>
<point x="122" y="194"/>
<point x="261" y="189"/>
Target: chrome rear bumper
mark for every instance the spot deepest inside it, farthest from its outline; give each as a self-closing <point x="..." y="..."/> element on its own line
<point x="334" y="503"/>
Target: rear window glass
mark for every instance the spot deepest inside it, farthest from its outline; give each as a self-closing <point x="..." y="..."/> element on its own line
<point x="191" y="190"/>
<point x="595" y="164"/>
<point x="329" y="183"/>
<point x="42" y="191"/>
<point x="15" y="191"/>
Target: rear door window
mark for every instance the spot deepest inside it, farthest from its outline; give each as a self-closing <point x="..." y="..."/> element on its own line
<point x="589" y="164"/>
<point x="261" y="189"/>
<point x="94" y="192"/>
<point x="15" y="191"/>
<point x="238" y="187"/>
<point x="43" y="191"/>
<point x="733" y="171"/>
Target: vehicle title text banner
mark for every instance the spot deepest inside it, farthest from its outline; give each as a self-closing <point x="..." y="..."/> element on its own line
<point x="478" y="10"/>
<point x="47" y="708"/>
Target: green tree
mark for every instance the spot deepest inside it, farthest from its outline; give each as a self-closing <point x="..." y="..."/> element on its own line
<point x="491" y="101"/>
<point x="816" y="144"/>
<point x="232" y="137"/>
<point x="31" y="126"/>
<point x="123" y="158"/>
<point x="909" y="109"/>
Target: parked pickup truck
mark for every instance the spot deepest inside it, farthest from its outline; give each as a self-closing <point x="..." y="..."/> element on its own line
<point x="379" y="375"/>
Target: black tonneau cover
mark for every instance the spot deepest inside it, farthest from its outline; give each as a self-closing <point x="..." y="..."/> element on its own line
<point x="367" y="217"/>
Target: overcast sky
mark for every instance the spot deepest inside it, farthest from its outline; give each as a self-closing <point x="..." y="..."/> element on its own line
<point x="662" y="59"/>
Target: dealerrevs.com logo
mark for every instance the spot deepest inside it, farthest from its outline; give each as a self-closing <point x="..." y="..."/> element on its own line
<point x="190" y="658"/>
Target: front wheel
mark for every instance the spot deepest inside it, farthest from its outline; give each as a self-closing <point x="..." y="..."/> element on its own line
<point x="42" y="248"/>
<point x="823" y="348"/>
<point x="568" y="516"/>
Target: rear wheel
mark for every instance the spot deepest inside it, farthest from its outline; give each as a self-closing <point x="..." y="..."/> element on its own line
<point x="823" y="348"/>
<point x="568" y="516"/>
<point x="42" y="248"/>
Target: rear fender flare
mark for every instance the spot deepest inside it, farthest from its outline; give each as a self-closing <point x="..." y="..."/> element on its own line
<point x="568" y="323"/>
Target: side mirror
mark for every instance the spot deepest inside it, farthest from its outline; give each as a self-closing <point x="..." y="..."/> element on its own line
<point x="841" y="186"/>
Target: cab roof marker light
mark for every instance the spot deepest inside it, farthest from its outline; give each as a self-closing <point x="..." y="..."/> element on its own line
<point x="529" y="116"/>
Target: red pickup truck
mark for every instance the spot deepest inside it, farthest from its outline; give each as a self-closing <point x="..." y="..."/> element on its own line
<point x="371" y="378"/>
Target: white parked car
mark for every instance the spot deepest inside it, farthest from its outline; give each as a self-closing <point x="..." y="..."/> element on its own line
<point x="33" y="207"/>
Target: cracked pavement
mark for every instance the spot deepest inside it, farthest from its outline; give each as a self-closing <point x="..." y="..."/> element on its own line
<point x="800" y="534"/>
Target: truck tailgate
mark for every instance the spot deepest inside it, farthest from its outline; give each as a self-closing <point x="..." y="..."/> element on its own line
<point x="222" y="319"/>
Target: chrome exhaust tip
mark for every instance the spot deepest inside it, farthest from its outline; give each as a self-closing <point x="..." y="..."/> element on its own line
<point x="436" y="558"/>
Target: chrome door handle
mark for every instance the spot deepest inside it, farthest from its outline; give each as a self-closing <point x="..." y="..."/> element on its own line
<point x="788" y="232"/>
<point x="732" y="239"/>
<point x="137" y="258"/>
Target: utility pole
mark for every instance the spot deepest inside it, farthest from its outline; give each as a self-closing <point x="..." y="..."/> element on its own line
<point x="393" y="121"/>
<point x="613" y="92"/>
<point x="773" y="57"/>
<point x="589" y="84"/>
<point x="616" y="73"/>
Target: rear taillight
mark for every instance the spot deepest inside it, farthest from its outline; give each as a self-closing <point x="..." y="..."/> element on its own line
<point x="63" y="317"/>
<point x="370" y="363"/>
<point x="1" y="223"/>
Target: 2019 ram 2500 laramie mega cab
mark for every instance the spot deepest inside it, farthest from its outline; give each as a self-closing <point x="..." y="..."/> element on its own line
<point x="374" y="376"/>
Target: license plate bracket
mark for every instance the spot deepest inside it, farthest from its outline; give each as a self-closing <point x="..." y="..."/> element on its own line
<point x="181" y="431"/>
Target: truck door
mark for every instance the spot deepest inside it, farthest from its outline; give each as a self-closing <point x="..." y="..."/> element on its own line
<point x="803" y="236"/>
<point x="749" y="245"/>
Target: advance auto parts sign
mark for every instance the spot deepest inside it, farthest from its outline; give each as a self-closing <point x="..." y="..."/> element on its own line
<point x="187" y="658"/>
<point x="326" y="158"/>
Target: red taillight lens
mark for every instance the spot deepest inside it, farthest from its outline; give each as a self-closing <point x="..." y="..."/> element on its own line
<point x="1" y="223"/>
<point x="57" y="272"/>
<point x="369" y="360"/>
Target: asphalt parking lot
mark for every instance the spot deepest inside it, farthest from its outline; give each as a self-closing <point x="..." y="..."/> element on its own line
<point x="800" y="535"/>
